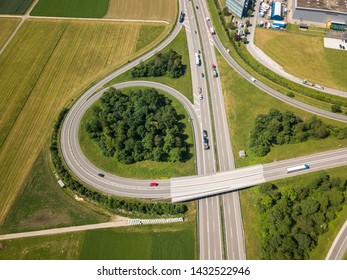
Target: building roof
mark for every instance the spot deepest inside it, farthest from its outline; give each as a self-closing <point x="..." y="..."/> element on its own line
<point x="277" y="9"/>
<point x="329" y="5"/>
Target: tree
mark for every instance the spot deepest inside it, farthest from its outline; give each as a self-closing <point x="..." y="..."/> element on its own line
<point x="336" y="108"/>
<point x="249" y="13"/>
<point x="226" y="11"/>
<point x="246" y="31"/>
<point x="247" y="22"/>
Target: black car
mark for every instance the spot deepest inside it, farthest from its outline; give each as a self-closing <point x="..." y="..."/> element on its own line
<point x="206" y="146"/>
<point x="204" y="133"/>
<point x="101" y="175"/>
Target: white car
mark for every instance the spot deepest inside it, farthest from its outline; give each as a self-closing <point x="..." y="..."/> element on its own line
<point x="207" y="19"/>
<point x="200" y="96"/>
<point x="253" y="79"/>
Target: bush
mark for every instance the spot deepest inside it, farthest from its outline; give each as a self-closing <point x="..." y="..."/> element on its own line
<point x="336" y="108"/>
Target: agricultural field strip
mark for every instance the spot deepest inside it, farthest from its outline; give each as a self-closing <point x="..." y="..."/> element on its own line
<point x="145" y="9"/>
<point x="103" y="19"/>
<point x="12" y="153"/>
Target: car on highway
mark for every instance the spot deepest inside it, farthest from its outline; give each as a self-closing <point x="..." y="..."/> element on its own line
<point x="206" y="146"/>
<point x="200" y="96"/>
<point x="200" y="90"/>
<point x="197" y="7"/>
<point x="207" y="19"/>
<point x="204" y="133"/>
<point x="202" y="75"/>
<point x="153" y="184"/>
<point x="101" y="175"/>
<point x="253" y="79"/>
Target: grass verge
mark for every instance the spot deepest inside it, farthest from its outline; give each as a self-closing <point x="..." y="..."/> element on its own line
<point x="42" y="204"/>
<point x="143" y="169"/>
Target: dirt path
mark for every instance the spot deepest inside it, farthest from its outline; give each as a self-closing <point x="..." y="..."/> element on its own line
<point x="119" y="222"/>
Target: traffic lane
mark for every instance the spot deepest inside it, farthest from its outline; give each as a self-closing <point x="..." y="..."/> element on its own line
<point x="315" y="162"/>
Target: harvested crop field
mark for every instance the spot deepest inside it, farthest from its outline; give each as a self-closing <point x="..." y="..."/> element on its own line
<point x="8" y="25"/>
<point x="143" y="9"/>
<point x="14" y="6"/>
<point x="46" y="66"/>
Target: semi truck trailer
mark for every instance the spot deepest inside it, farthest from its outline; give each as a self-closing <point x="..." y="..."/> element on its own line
<point x="297" y="168"/>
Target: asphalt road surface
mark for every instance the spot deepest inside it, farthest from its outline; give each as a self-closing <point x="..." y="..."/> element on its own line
<point x="339" y="246"/>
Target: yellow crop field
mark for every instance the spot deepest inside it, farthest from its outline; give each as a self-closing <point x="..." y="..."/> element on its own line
<point x="8" y="25"/>
<point x="47" y="65"/>
<point x="143" y="9"/>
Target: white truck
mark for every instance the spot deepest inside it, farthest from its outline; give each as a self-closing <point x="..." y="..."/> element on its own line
<point x="197" y="59"/>
<point x="297" y="168"/>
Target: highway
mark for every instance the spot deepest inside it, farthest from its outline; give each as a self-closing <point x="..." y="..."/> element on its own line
<point x="209" y="228"/>
<point x="233" y="230"/>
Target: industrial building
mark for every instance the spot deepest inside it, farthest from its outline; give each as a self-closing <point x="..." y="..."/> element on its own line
<point x="321" y="11"/>
<point x="237" y="7"/>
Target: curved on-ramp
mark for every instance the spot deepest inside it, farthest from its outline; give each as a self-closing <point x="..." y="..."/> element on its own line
<point x="87" y="172"/>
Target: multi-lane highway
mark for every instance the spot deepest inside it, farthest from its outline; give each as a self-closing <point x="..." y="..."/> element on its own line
<point x="208" y="182"/>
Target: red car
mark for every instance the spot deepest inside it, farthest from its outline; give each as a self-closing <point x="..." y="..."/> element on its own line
<point x="153" y="184"/>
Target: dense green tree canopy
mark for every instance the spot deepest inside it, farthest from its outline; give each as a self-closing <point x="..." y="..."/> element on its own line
<point x="169" y="64"/>
<point x="278" y="128"/>
<point x="141" y="125"/>
<point x="293" y="218"/>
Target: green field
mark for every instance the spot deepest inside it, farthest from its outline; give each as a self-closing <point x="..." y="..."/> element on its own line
<point x="42" y="204"/>
<point x="244" y="102"/>
<point x="143" y="169"/>
<point x="54" y="61"/>
<point x="251" y="218"/>
<point x="159" y="242"/>
<point x="71" y="8"/>
<point x="182" y="84"/>
<point x="8" y="25"/>
<point x="143" y="9"/>
<point x="14" y="6"/>
<point x="311" y="60"/>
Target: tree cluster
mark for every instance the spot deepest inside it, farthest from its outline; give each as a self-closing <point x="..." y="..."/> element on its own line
<point x="293" y="218"/>
<point x="115" y="204"/>
<point x="141" y="125"/>
<point x="278" y="128"/>
<point x="169" y="64"/>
